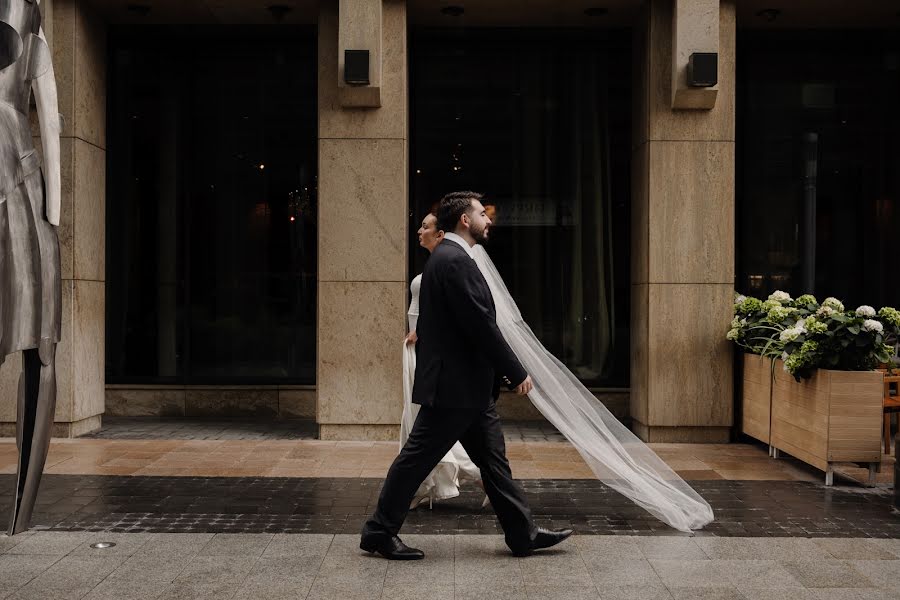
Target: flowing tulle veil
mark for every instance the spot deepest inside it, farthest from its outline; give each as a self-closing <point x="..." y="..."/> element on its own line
<point x="615" y="455"/>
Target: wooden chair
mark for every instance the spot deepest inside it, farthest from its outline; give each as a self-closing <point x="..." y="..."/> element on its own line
<point x="891" y="405"/>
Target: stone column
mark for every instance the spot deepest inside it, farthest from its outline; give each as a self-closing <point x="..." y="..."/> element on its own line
<point x="682" y="241"/>
<point x="79" y="58"/>
<point x="362" y="208"/>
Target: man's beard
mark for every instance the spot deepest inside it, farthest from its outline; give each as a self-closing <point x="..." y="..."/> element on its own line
<point x="480" y="236"/>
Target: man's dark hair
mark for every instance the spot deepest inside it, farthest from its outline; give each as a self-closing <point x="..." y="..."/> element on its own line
<point x="452" y="207"/>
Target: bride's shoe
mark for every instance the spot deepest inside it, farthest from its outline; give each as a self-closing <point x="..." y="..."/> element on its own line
<point x="420" y="500"/>
<point x="486" y="502"/>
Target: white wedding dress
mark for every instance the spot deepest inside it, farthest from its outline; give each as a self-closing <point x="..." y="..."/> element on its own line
<point x="456" y="467"/>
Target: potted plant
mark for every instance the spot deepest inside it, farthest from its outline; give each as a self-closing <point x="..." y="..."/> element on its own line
<point x="826" y="397"/>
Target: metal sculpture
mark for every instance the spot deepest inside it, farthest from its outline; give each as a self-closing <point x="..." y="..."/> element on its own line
<point x="30" y="284"/>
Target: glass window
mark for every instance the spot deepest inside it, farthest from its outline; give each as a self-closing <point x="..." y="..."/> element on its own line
<point x="818" y="192"/>
<point x="540" y="122"/>
<point x="211" y="211"/>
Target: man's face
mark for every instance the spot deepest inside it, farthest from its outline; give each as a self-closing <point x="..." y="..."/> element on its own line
<point x="479" y="223"/>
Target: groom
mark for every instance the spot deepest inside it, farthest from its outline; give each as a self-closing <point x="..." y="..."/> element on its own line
<point x="460" y="354"/>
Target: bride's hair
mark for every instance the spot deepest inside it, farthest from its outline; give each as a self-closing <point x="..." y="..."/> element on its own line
<point x="452" y="207"/>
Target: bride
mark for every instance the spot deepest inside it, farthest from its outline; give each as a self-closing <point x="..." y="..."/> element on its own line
<point x="615" y="455"/>
<point x="456" y="467"/>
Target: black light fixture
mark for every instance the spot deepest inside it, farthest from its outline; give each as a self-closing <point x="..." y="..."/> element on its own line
<point x="453" y="11"/>
<point x="703" y="69"/>
<point x="769" y="14"/>
<point x="356" y="67"/>
<point x="596" y="11"/>
<point x="279" y="11"/>
<point x="141" y="10"/>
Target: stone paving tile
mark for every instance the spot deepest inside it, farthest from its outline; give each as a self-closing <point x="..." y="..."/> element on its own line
<point x="289" y="545"/>
<point x="634" y="592"/>
<point x="274" y="589"/>
<point x="762" y="548"/>
<point x="16" y="570"/>
<point x="706" y="593"/>
<point x="850" y="549"/>
<point x="217" y="569"/>
<point x="177" y="544"/>
<point x="827" y="574"/>
<point x="71" y="577"/>
<point x="423" y="590"/>
<point x="855" y="594"/>
<point x="723" y="573"/>
<point x="152" y="569"/>
<point x="53" y="543"/>
<point x="563" y="568"/>
<point x="791" y="593"/>
<point x="192" y="590"/>
<point x="882" y="573"/>
<point x="122" y="589"/>
<point x="249" y="544"/>
<point x="494" y="591"/>
<point x="126" y="544"/>
<point x="620" y="572"/>
<point x="671" y="547"/>
<point x="8" y="543"/>
<point x="561" y="592"/>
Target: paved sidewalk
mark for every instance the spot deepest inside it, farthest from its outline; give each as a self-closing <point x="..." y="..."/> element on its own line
<point x="51" y="566"/>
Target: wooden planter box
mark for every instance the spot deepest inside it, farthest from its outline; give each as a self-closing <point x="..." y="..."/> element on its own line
<point x="834" y="416"/>
<point x="756" y="397"/>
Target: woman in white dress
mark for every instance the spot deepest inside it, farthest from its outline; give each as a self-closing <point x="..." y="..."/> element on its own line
<point x="456" y="467"/>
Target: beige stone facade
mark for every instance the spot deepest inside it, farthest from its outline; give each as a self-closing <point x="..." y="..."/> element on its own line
<point x="683" y="166"/>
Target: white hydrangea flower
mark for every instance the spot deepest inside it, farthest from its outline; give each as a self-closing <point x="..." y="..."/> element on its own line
<point x="790" y="334"/>
<point x="873" y="326"/>
<point x="733" y="334"/>
<point x="834" y="303"/>
<point x="865" y="311"/>
<point x="825" y="311"/>
<point x="780" y="297"/>
<point x="739" y="298"/>
<point x="784" y="355"/>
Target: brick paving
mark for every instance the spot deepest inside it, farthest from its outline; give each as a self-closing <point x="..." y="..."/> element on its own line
<point x="339" y="505"/>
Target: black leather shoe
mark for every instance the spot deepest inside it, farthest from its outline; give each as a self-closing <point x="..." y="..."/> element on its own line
<point x="545" y="538"/>
<point x="390" y="547"/>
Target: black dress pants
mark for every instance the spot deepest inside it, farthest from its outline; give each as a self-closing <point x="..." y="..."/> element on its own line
<point x="433" y="434"/>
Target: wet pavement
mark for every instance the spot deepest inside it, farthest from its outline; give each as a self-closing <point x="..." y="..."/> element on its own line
<point x="339" y="505"/>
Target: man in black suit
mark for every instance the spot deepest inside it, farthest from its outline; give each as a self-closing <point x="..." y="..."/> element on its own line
<point x="460" y="355"/>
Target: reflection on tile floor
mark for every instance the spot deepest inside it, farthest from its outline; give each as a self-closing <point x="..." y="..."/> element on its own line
<point x="315" y="458"/>
<point x="162" y="428"/>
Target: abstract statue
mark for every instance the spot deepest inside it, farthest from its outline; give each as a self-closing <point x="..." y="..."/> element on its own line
<point x="30" y="285"/>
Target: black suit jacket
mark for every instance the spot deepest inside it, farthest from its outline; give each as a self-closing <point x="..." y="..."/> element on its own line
<point x="460" y="352"/>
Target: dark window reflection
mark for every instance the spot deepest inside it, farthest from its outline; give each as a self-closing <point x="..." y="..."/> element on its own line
<point x="819" y="125"/>
<point x="211" y="237"/>
<point x="540" y="122"/>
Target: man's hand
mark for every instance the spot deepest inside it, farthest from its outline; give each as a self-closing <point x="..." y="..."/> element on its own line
<point x="411" y="338"/>
<point x="526" y="386"/>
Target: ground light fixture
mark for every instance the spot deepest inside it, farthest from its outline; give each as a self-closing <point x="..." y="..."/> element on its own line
<point x="103" y="545"/>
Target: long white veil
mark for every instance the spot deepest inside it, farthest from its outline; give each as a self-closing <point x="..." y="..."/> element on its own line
<point x="615" y="455"/>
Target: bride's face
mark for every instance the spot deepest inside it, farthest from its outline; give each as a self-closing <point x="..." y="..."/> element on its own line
<point x="429" y="234"/>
